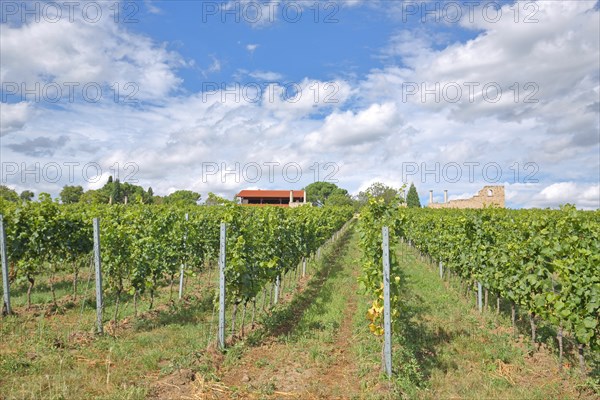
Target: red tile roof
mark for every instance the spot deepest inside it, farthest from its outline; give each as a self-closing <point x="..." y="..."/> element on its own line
<point x="270" y="194"/>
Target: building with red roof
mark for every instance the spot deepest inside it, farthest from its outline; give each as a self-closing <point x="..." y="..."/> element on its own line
<point x="280" y="198"/>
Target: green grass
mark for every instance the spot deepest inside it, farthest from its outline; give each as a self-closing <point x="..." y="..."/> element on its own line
<point x="53" y="353"/>
<point x="105" y="367"/>
<point x="444" y="348"/>
<point x="302" y="340"/>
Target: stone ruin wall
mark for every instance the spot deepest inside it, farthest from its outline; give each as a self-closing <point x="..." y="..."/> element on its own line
<point x="485" y="197"/>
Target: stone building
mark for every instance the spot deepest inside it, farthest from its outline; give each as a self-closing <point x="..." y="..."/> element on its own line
<point x="489" y="195"/>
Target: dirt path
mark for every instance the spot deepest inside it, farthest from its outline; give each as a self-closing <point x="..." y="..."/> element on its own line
<point x="310" y="355"/>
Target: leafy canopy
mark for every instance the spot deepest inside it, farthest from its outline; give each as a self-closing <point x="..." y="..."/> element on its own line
<point x="319" y="192"/>
<point x="412" y="198"/>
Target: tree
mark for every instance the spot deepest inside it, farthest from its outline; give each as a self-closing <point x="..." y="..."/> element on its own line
<point x="182" y="197"/>
<point x="378" y="190"/>
<point x="134" y="194"/>
<point x="71" y="194"/>
<point x="149" y="197"/>
<point x="94" y="197"/>
<point x="120" y="192"/>
<point x="339" y="199"/>
<point x="214" y="200"/>
<point x="158" y="200"/>
<point x="116" y="194"/>
<point x="27" y="195"/>
<point x="45" y="197"/>
<point x="318" y="192"/>
<point x="8" y="194"/>
<point x="412" y="198"/>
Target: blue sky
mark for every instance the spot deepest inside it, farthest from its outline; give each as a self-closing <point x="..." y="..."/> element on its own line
<point x="500" y="93"/>
<point x="327" y="40"/>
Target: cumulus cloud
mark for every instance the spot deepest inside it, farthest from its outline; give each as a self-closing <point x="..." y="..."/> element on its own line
<point x="367" y="129"/>
<point x="555" y="64"/>
<point x="39" y="146"/>
<point x="295" y="100"/>
<point x="583" y="195"/>
<point x="13" y="117"/>
<point x="351" y="129"/>
<point x="79" y="53"/>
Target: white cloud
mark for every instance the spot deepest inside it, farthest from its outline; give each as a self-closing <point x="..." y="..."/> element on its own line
<point x="251" y="48"/>
<point x="98" y="181"/>
<point x="152" y="8"/>
<point x="559" y="133"/>
<point x="266" y="75"/>
<point x="303" y="98"/>
<point x="214" y="67"/>
<point x="584" y="196"/>
<point x="82" y="53"/>
<point x="13" y="117"/>
<point x="352" y="3"/>
<point x="351" y="129"/>
<point x="364" y="127"/>
<point x="559" y="56"/>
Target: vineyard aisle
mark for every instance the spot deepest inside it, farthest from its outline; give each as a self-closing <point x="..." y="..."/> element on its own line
<point x="320" y="348"/>
<point x="463" y="354"/>
<point x="309" y="352"/>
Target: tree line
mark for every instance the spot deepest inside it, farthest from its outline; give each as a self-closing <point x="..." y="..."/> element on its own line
<point x="117" y="192"/>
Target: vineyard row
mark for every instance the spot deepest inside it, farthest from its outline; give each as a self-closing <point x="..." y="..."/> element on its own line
<point x="545" y="262"/>
<point x="145" y="247"/>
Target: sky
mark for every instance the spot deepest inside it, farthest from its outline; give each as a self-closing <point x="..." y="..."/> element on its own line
<point x="220" y="96"/>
